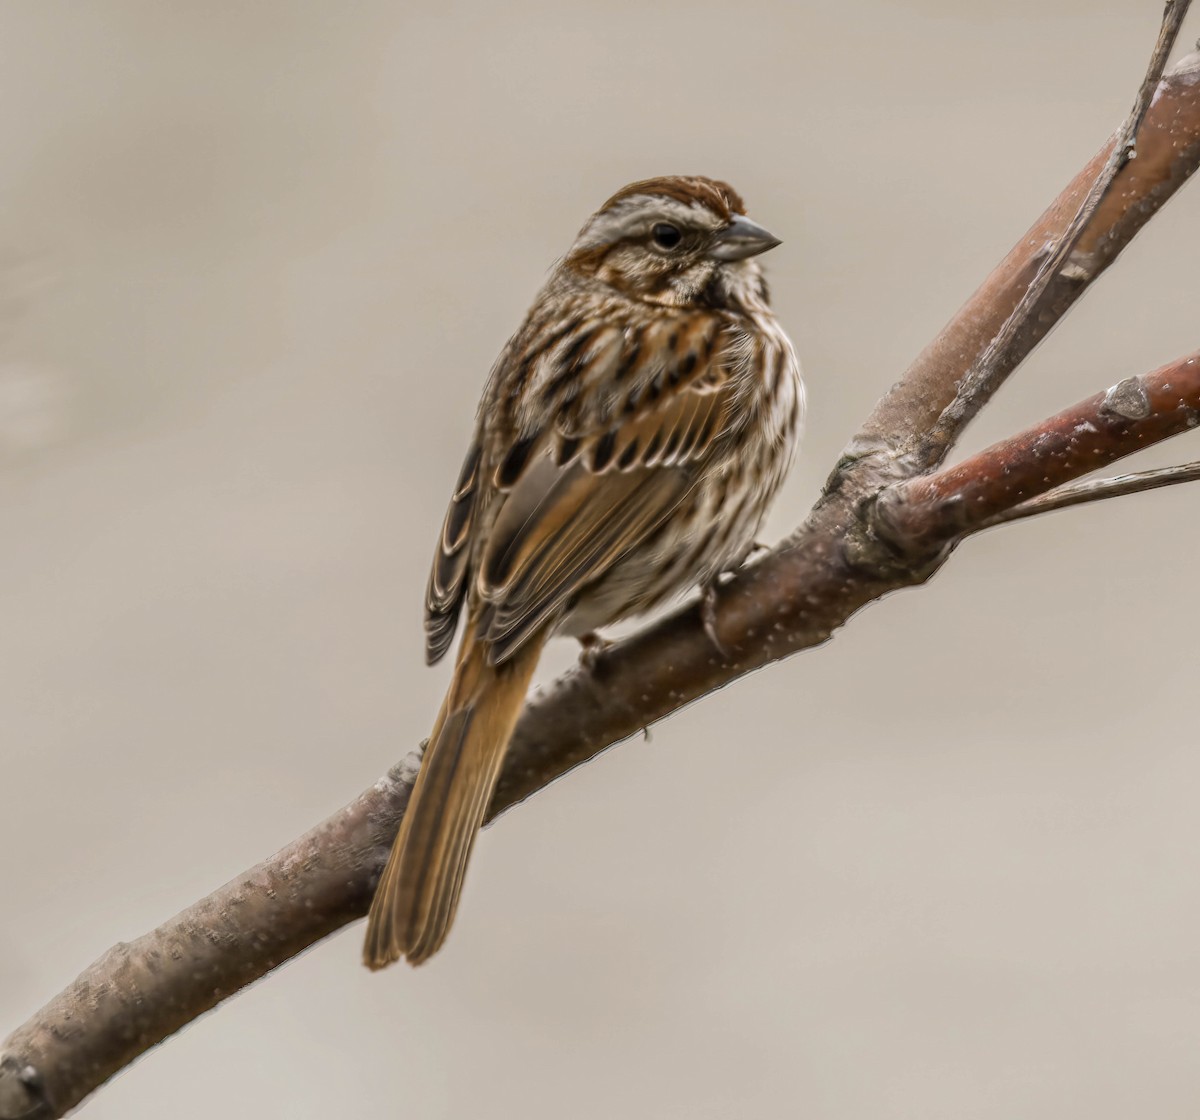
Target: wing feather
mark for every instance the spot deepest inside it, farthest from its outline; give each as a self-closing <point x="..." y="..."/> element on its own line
<point x="447" y="579"/>
<point x="584" y="524"/>
<point x="636" y="412"/>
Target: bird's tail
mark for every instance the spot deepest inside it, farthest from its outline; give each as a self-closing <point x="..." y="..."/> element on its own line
<point x="418" y="893"/>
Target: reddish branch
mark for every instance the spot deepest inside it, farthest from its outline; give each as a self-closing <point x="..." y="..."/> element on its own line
<point x="1098" y="489"/>
<point x="1135" y="413"/>
<point x="140" y="993"/>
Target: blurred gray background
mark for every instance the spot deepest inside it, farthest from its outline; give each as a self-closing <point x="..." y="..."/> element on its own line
<point x="255" y="261"/>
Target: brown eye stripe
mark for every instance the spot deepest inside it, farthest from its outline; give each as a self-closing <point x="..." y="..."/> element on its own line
<point x="592" y="259"/>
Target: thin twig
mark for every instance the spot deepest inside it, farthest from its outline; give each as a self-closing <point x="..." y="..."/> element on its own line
<point x="988" y="370"/>
<point x="1097" y="490"/>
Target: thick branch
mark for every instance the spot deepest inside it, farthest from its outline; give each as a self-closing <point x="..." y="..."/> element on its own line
<point x="140" y="993"/>
<point x="1098" y="490"/>
<point x="1168" y="151"/>
<point x="922" y="513"/>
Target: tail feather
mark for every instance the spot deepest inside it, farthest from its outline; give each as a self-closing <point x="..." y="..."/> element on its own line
<point x="446" y="879"/>
<point x="418" y="894"/>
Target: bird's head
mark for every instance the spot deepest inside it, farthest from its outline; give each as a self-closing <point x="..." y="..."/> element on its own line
<point x="681" y="240"/>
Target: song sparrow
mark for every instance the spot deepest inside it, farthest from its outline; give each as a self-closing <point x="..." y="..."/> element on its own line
<point x="628" y="443"/>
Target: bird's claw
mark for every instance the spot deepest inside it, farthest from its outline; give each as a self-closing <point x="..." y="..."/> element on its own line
<point x="708" y="617"/>
<point x="591" y="649"/>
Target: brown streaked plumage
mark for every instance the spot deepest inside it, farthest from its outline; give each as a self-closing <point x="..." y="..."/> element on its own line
<point x="628" y="443"/>
<point x="719" y="197"/>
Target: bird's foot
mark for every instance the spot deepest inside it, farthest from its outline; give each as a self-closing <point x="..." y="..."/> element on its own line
<point x="756" y="548"/>
<point x="591" y="649"/>
<point x="708" y="616"/>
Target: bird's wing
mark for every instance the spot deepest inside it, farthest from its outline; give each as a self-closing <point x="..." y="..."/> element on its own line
<point x="448" y="576"/>
<point x="618" y="460"/>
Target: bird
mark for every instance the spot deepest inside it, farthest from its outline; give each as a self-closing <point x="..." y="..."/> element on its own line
<point x="628" y="443"/>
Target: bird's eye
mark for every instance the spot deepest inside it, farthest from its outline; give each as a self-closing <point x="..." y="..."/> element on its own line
<point x="666" y="236"/>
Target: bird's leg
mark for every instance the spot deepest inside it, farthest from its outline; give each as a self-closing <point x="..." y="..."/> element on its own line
<point x="754" y="548"/>
<point x="591" y="647"/>
<point x="709" y="590"/>
<point x="708" y="614"/>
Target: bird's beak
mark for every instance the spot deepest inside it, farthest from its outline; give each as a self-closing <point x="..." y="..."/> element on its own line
<point x="742" y="238"/>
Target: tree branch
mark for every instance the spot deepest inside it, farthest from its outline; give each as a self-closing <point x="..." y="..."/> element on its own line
<point x="989" y="370"/>
<point x="139" y="993"/>
<point x="1097" y="490"/>
<point x="935" y="509"/>
<point x="1168" y="149"/>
